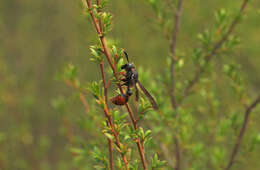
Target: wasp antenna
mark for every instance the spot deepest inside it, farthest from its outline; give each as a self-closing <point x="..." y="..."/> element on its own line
<point x="126" y="56"/>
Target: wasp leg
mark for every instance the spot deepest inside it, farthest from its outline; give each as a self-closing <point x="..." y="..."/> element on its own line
<point x="122" y="73"/>
<point x="123" y="79"/>
<point x="125" y="84"/>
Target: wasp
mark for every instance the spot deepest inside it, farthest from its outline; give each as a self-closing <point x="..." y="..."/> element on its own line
<point x="130" y="80"/>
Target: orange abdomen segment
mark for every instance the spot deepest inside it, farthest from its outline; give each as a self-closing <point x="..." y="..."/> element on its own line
<point x="119" y="100"/>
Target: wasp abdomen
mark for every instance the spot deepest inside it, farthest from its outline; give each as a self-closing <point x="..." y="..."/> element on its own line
<point x="120" y="99"/>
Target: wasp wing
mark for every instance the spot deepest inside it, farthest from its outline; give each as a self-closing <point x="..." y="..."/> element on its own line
<point x="148" y="95"/>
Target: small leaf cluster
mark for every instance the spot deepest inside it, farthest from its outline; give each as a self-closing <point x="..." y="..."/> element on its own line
<point x="96" y="89"/>
<point x="164" y="14"/>
<point x="100" y="158"/>
<point x="70" y="72"/>
<point x="156" y="163"/>
<point x="232" y="71"/>
<point x="104" y="17"/>
<point x="97" y="52"/>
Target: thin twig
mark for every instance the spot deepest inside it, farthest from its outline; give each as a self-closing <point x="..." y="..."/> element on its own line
<point x="110" y="123"/>
<point x="84" y="102"/>
<point x="109" y="58"/>
<point x="235" y="150"/>
<point x="177" y="154"/>
<point x="138" y="143"/>
<point x="214" y="51"/>
<point x="69" y="134"/>
<point x="110" y="149"/>
<point x="106" y="111"/>
<point x="86" y="106"/>
<point x="177" y="17"/>
<point x="115" y="134"/>
<point x="104" y="80"/>
<point x="110" y="142"/>
<point x="99" y="20"/>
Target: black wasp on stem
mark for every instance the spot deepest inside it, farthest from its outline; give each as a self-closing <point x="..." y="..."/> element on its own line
<point x="130" y="80"/>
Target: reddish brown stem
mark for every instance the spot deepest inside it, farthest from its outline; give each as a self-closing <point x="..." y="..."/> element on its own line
<point x="110" y="142"/>
<point x="214" y="51"/>
<point x="104" y="80"/>
<point x="110" y="149"/>
<point x="69" y="134"/>
<point x="237" y="145"/>
<point x="99" y="21"/>
<point x="107" y="114"/>
<point x="109" y="58"/>
<point x="138" y="143"/>
<point x="115" y="134"/>
<point x="85" y="104"/>
<point x="110" y="122"/>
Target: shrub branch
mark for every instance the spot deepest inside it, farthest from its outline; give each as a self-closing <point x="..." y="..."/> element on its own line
<point x="237" y="145"/>
<point x="109" y="59"/>
<point x="110" y="142"/>
<point x="177" y="18"/>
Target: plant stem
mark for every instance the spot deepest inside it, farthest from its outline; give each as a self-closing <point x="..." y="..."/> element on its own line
<point x="110" y="147"/>
<point x="138" y="143"/>
<point x="115" y="134"/>
<point x="110" y="142"/>
<point x="110" y="122"/>
<point x="109" y="58"/>
<point x="107" y="114"/>
<point x="235" y="150"/>
<point x="177" y="17"/>
<point x="86" y="106"/>
<point x="177" y="153"/>
<point x="214" y="51"/>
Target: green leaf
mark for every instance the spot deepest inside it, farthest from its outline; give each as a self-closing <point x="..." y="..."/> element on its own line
<point x="255" y="141"/>
<point x="97" y="53"/>
<point x="109" y="136"/>
<point x="221" y="16"/>
<point x="205" y="38"/>
<point x="106" y="19"/>
<point x="156" y="163"/>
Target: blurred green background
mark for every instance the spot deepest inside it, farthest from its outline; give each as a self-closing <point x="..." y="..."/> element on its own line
<point x="38" y="38"/>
